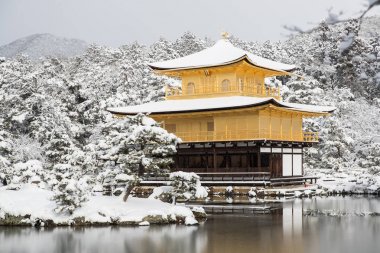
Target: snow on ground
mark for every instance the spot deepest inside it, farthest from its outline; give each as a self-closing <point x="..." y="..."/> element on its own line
<point x="355" y="181"/>
<point x="31" y="200"/>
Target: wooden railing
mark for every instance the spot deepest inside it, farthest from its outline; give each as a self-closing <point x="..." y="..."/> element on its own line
<point x="204" y="136"/>
<point x="218" y="176"/>
<point x="217" y="90"/>
<point x="311" y="136"/>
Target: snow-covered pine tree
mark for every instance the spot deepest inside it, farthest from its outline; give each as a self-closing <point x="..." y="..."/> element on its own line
<point x="188" y="44"/>
<point x="148" y="149"/>
<point x="70" y="188"/>
<point x="162" y="50"/>
<point x="5" y="153"/>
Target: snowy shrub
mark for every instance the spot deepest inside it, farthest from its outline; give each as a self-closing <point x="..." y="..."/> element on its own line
<point x="31" y="171"/>
<point x="186" y="185"/>
<point x="252" y="193"/>
<point x="163" y="193"/>
<point x="229" y="191"/>
<point x="70" y="189"/>
<point x="25" y="148"/>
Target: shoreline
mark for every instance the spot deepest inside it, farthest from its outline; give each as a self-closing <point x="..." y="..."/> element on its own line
<point x="32" y="206"/>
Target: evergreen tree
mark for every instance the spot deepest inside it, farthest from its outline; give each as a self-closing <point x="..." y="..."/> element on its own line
<point x="148" y="150"/>
<point x="70" y="188"/>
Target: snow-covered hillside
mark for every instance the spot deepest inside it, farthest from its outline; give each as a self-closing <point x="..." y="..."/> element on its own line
<point x="43" y="45"/>
<point x="54" y="111"/>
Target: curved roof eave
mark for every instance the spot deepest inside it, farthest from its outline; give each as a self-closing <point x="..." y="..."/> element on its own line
<point x="269" y="101"/>
<point x="245" y="57"/>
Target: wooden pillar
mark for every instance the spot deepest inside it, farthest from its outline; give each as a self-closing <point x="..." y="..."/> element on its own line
<point x="271" y="163"/>
<point x="270" y="124"/>
<point x="302" y="163"/>
<point x="291" y="127"/>
<point x="214" y="156"/>
<point x="259" y="159"/>
<point x="281" y="117"/>
<point x="248" y="161"/>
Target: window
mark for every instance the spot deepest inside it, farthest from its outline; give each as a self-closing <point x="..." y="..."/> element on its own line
<point x="171" y="128"/>
<point x="225" y="85"/>
<point x="190" y="88"/>
<point x="210" y="126"/>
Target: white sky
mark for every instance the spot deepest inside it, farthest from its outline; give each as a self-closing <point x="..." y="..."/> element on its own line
<point x="117" y="22"/>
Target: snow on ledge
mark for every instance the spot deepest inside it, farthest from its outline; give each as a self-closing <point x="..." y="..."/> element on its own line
<point x="218" y="103"/>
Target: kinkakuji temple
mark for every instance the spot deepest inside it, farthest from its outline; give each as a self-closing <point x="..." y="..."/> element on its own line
<point x="227" y="118"/>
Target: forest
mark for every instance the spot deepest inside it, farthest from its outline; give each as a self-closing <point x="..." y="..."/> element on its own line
<point x="53" y="117"/>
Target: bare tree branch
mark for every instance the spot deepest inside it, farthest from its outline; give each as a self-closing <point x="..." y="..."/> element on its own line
<point x="333" y="18"/>
<point x="372" y="4"/>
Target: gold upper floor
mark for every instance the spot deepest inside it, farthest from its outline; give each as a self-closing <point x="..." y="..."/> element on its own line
<point x="238" y="79"/>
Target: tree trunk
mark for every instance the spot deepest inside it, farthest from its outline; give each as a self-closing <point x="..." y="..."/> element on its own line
<point x="174" y="200"/>
<point x="141" y="170"/>
<point x="128" y="189"/>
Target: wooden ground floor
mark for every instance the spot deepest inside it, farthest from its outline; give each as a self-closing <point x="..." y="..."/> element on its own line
<point x="276" y="159"/>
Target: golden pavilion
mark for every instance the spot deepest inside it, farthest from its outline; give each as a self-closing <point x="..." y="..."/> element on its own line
<point x="227" y="118"/>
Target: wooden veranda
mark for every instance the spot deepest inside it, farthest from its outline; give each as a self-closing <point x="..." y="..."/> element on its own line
<point x="235" y="179"/>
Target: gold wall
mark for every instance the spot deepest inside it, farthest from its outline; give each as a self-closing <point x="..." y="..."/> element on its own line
<point x="266" y="123"/>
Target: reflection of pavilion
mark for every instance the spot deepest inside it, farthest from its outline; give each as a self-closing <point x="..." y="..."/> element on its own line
<point x="292" y="213"/>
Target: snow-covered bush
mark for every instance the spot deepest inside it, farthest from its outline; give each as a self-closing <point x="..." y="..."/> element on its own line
<point x="229" y="191"/>
<point x="70" y="189"/>
<point x="186" y="185"/>
<point x="31" y="171"/>
<point x="163" y="193"/>
<point x="25" y="148"/>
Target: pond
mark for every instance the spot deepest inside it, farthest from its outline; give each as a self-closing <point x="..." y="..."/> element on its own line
<point x="284" y="230"/>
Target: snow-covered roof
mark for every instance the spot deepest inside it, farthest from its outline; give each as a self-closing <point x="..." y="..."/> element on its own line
<point x="218" y="103"/>
<point x="222" y="53"/>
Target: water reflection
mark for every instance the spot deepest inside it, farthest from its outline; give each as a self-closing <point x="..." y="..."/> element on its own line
<point x="103" y="239"/>
<point x="285" y="230"/>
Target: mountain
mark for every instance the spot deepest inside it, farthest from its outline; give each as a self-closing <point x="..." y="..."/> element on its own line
<point x="43" y="45"/>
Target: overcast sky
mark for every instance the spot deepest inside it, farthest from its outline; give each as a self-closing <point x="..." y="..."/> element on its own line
<point x="117" y="22"/>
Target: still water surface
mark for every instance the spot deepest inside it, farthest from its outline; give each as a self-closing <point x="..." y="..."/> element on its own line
<point x="285" y="230"/>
